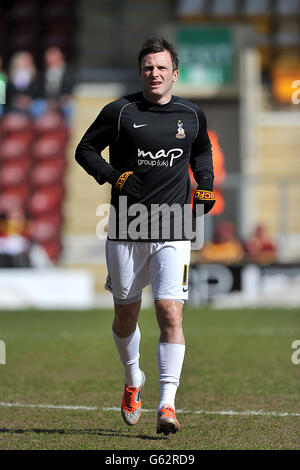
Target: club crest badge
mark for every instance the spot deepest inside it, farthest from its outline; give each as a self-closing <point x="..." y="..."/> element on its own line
<point x="180" y="130"/>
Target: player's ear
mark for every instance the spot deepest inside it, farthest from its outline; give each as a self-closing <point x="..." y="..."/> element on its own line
<point x="175" y="75"/>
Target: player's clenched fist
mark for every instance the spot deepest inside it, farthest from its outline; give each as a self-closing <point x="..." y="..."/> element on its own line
<point x="205" y="195"/>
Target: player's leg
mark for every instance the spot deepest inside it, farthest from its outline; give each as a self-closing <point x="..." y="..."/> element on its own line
<point x="127" y="337"/>
<point x="126" y="288"/>
<point x="170" y="356"/>
<point x="169" y="284"/>
<point x="122" y="261"/>
<point x="169" y="318"/>
<point x="126" y="317"/>
<point x="171" y="349"/>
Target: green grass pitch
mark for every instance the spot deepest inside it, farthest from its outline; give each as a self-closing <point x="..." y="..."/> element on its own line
<point x="236" y="360"/>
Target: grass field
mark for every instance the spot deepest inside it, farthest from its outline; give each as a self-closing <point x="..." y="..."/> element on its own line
<point x="236" y="361"/>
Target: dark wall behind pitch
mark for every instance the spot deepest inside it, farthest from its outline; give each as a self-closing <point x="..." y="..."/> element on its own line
<point x="223" y="117"/>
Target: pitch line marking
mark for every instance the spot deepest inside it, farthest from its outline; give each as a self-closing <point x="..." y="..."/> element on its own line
<point x="114" y="408"/>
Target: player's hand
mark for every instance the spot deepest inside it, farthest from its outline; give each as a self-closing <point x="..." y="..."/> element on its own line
<point x="205" y="195"/>
<point x="129" y="185"/>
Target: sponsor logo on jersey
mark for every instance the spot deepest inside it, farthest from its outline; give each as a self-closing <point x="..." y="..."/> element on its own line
<point x="169" y="157"/>
<point x="180" y="130"/>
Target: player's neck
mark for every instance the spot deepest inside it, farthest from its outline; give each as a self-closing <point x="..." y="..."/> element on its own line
<point x="160" y="100"/>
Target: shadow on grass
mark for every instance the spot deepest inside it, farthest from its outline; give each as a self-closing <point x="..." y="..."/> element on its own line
<point x="92" y="432"/>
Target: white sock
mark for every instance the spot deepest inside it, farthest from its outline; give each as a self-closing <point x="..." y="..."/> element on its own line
<point x="170" y="360"/>
<point x="128" y="349"/>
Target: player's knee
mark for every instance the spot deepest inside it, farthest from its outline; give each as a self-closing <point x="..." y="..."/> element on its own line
<point x="169" y="316"/>
<point x="124" y="327"/>
<point x="125" y="320"/>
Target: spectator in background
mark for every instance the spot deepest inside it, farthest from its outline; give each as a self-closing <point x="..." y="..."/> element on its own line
<point x="259" y="248"/>
<point x="14" y="244"/>
<point x="55" y="85"/>
<point x="21" y="83"/>
<point x="225" y="248"/>
<point x="17" y="249"/>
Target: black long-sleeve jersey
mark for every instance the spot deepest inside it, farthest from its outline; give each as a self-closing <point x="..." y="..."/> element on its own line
<point x="156" y="142"/>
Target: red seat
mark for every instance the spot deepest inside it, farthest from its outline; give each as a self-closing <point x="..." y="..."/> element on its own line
<point x="16" y="123"/>
<point x="45" y="201"/>
<point x="46" y="228"/>
<point x="14" y="147"/>
<point x="48" y="172"/>
<point x="14" y="173"/>
<point x="48" y="147"/>
<point x="13" y="198"/>
<point x="49" y="123"/>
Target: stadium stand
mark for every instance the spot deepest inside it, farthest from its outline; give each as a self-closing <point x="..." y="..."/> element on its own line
<point x="32" y="171"/>
<point x="32" y="168"/>
<point x="14" y="147"/>
<point x="12" y="198"/>
<point x="16" y="124"/>
<point x="14" y="173"/>
<point x="47" y="173"/>
<point x="34" y="132"/>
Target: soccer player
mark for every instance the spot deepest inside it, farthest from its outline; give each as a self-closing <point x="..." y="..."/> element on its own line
<point x="153" y="137"/>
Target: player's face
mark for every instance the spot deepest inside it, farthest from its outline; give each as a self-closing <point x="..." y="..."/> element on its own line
<point x="157" y="77"/>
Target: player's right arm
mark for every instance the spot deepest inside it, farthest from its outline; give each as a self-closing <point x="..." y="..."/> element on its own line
<point x="102" y="133"/>
<point x="202" y="166"/>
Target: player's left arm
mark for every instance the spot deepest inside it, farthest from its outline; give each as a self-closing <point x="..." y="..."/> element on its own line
<point x="102" y="133"/>
<point x="202" y="166"/>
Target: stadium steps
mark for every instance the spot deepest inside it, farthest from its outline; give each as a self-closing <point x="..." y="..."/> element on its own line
<point x="278" y="168"/>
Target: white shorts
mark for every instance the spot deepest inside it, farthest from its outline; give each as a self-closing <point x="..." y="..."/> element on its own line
<point x="134" y="265"/>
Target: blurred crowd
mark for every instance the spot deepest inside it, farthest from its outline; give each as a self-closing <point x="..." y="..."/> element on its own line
<point x="34" y="129"/>
<point x="34" y="91"/>
<point x="227" y="248"/>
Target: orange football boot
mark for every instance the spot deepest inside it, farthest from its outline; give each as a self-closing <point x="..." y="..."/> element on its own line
<point x="131" y="406"/>
<point x="167" y="421"/>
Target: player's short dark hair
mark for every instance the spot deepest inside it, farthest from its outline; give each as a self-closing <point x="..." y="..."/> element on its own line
<point x="158" y="44"/>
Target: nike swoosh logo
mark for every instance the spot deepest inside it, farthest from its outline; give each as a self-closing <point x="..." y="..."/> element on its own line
<point x="185" y="290"/>
<point x="138" y="396"/>
<point x="139" y="125"/>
